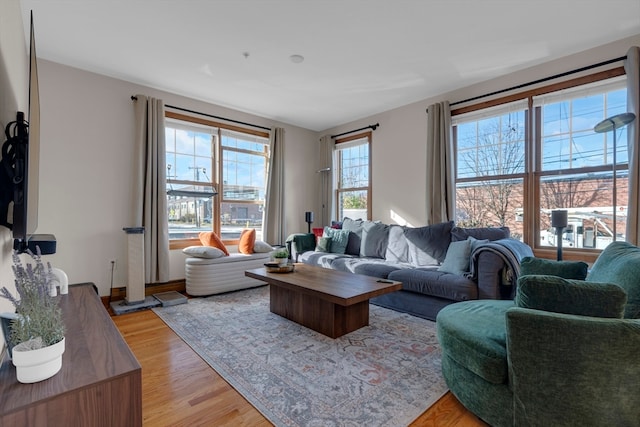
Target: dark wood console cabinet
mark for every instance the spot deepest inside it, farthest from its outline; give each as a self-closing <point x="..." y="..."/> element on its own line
<point x="100" y="383"/>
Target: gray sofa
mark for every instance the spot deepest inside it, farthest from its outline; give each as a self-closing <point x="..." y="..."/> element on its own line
<point x="438" y="264"/>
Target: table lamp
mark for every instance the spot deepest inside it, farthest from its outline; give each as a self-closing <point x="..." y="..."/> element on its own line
<point x="559" y="220"/>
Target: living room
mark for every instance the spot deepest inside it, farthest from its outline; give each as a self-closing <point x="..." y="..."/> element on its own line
<point x="86" y="167"/>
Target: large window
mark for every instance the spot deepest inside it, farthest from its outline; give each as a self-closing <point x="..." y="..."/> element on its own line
<point x="353" y="194"/>
<point x="244" y="181"/>
<point x="216" y="179"/>
<point x="516" y="164"/>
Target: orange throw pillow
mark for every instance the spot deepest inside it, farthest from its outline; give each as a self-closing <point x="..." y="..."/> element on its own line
<point x="247" y="241"/>
<point x="209" y="238"/>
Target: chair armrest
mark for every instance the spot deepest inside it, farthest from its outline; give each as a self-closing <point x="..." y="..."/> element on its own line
<point x="573" y="370"/>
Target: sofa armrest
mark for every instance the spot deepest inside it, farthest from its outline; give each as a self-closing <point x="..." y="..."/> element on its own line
<point x="573" y="370"/>
<point x="489" y="270"/>
<point x="301" y="243"/>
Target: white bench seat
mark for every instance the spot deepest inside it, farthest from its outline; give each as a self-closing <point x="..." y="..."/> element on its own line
<point x="206" y="276"/>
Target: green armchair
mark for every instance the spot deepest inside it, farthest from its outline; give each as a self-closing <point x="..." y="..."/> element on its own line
<point x="565" y="353"/>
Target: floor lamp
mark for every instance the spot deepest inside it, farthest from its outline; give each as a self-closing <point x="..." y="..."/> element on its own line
<point x="613" y="123"/>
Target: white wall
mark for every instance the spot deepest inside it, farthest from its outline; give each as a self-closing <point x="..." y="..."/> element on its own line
<point x="399" y="145"/>
<point x="86" y="169"/>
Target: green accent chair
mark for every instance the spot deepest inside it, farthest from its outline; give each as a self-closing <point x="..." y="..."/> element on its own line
<point x="565" y="352"/>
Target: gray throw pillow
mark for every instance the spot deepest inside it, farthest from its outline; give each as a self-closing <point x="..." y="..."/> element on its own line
<point x="397" y="246"/>
<point x="457" y="259"/>
<point x="354" y="226"/>
<point x="375" y="236"/>
<point x="428" y="245"/>
<point x="339" y="239"/>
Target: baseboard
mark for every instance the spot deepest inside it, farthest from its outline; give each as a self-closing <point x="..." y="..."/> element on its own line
<point x="121" y="292"/>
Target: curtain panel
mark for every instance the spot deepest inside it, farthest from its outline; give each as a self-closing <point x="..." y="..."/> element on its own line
<point x="273" y="229"/>
<point x="632" y="68"/>
<point x="150" y="187"/>
<point x="326" y="170"/>
<point x="441" y="186"/>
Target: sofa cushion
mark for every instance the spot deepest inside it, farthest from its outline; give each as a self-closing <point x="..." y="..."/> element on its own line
<point x="457" y="259"/>
<point x="397" y="246"/>
<point x="428" y="245"/>
<point x="473" y="334"/>
<point x="491" y="233"/>
<point x="619" y="263"/>
<point x="320" y="259"/>
<point x="354" y="226"/>
<point x="552" y="293"/>
<point x="430" y="281"/>
<point x="565" y="269"/>
<point x="339" y="239"/>
<point x="367" y="266"/>
<point x="375" y="236"/>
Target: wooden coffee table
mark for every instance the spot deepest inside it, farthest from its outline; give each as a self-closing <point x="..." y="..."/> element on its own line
<point x="331" y="302"/>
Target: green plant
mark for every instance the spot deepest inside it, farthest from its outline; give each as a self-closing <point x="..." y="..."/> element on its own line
<point x="281" y="253"/>
<point x="38" y="312"/>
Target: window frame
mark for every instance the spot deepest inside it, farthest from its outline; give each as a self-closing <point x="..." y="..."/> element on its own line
<point x="216" y="171"/>
<point x="338" y="188"/>
<point x="533" y="173"/>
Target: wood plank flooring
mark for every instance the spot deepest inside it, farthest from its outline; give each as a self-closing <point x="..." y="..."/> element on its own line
<point x="181" y="389"/>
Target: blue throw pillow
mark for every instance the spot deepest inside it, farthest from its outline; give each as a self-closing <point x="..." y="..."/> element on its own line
<point x="457" y="259"/>
<point x="339" y="239"/>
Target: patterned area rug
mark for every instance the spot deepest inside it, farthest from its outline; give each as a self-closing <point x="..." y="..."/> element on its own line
<point x="385" y="374"/>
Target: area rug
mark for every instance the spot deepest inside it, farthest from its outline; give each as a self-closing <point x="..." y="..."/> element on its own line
<point x="385" y="374"/>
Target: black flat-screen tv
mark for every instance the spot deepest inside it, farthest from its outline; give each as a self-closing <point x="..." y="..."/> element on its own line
<point x="25" y="208"/>
<point x="21" y="164"/>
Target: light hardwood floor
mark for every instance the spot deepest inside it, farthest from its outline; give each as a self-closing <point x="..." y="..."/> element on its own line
<point x="181" y="389"/>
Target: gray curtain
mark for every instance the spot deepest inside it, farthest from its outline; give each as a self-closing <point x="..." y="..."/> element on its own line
<point x="632" y="68"/>
<point x="150" y="187"/>
<point x="273" y="228"/>
<point x="326" y="170"/>
<point x="441" y="185"/>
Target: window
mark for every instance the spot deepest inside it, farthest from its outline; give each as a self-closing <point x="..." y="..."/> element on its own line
<point x="353" y="193"/>
<point x="244" y="183"/>
<point x="516" y="164"/>
<point x="216" y="179"/>
<point x="490" y="165"/>
<point x="574" y="170"/>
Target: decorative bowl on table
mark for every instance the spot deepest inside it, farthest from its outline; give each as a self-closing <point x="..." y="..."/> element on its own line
<point x="274" y="267"/>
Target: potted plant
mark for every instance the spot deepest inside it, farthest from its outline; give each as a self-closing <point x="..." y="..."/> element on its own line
<point x="281" y="256"/>
<point x="36" y="333"/>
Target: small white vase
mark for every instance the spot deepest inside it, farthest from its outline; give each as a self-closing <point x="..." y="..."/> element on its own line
<point x="38" y="365"/>
<point x="282" y="261"/>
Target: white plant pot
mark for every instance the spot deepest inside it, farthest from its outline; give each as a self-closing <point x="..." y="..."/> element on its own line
<point x="282" y="261"/>
<point x="37" y="365"/>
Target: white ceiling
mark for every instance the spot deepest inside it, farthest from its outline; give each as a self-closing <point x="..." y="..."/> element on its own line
<point x="361" y="56"/>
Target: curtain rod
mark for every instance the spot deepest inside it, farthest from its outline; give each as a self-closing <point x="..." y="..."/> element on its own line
<point x="542" y="80"/>
<point x="372" y="127"/>
<point x="134" y="98"/>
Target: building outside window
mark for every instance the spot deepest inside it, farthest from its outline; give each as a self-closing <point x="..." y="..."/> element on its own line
<point x="515" y="164"/>
<point x="353" y="193"/>
<point x="204" y="158"/>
